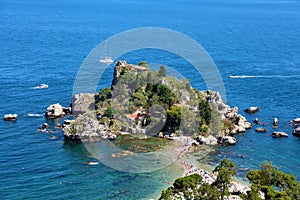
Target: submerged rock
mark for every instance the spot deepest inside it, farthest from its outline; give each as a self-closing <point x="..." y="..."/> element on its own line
<point x="52" y="137"/>
<point x="261" y="130"/>
<point x="58" y="125"/>
<point x="251" y="110"/>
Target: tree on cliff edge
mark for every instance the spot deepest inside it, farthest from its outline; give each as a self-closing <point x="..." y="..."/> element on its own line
<point x="225" y="170"/>
<point x="162" y="72"/>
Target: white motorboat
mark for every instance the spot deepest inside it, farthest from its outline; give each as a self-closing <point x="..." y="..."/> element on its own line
<point x="107" y="60"/>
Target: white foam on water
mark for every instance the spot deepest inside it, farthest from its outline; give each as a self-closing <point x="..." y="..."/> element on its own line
<point x="263" y="76"/>
<point x="42" y="86"/>
<point x="34" y="115"/>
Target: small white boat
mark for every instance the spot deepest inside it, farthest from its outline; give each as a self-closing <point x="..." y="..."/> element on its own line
<point x="107" y="60"/>
<point x="91" y="163"/>
<point x="42" y="86"/>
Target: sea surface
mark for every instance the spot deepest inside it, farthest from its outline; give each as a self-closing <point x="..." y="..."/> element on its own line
<point x="257" y="41"/>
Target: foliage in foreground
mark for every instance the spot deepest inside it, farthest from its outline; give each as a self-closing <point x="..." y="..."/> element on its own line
<point x="268" y="181"/>
<point x="273" y="183"/>
<point x="192" y="189"/>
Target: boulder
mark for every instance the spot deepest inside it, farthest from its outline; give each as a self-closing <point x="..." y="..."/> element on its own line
<point x="251" y="110"/>
<point x="296" y="132"/>
<point x="235" y="110"/>
<point x="160" y="135"/>
<point x="112" y="137"/>
<point x="202" y="139"/>
<point x="233" y="130"/>
<point x="195" y="143"/>
<point x="231" y="116"/>
<point x="210" y="140"/>
<point x="256" y="121"/>
<point x="58" y="125"/>
<point x="247" y="125"/>
<point x="241" y="129"/>
<point x="279" y="134"/>
<point x="54" y="111"/>
<point x="261" y="130"/>
<point x="71" y="137"/>
<point x="228" y="140"/>
<point x="275" y="122"/>
<point x="68" y="122"/>
<point x="67" y="110"/>
<point x="297" y="120"/>
<point x="10" y="117"/>
<point x="223" y="108"/>
<point x="44" y="125"/>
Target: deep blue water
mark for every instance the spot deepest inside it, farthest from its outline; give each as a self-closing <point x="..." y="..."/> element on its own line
<point x="46" y="41"/>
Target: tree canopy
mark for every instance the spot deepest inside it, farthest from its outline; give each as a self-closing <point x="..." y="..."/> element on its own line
<point x="225" y="170"/>
<point x="162" y="71"/>
<point x="273" y="183"/>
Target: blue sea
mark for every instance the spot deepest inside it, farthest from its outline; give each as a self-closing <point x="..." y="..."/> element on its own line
<point x="46" y="42"/>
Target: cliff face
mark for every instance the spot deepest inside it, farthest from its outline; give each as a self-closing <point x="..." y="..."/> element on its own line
<point x="141" y="101"/>
<point x="122" y="67"/>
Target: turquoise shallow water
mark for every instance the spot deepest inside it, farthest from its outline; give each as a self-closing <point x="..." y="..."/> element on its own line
<point x="46" y="41"/>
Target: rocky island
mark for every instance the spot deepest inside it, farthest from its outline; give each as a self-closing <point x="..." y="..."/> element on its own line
<point x="150" y="103"/>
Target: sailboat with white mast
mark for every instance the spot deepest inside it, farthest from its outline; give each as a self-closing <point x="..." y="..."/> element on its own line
<point x="107" y="59"/>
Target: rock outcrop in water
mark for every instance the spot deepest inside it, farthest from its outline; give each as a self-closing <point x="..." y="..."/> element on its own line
<point x="275" y="121"/>
<point x="86" y="129"/>
<point x="10" y="117"/>
<point x="296" y="121"/>
<point x="227" y="140"/>
<point x="296" y="132"/>
<point x="261" y="130"/>
<point x="56" y="111"/>
<point x="296" y="126"/>
<point x="279" y="134"/>
<point x="252" y="110"/>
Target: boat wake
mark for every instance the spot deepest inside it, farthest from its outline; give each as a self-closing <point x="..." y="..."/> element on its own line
<point x="91" y="163"/>
<point x="34" y="115"/>
<point x="244" y="76"/>
<point x="263" y="76"/>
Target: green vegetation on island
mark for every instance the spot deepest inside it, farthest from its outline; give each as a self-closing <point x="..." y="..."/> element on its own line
<point x="136" y="91"/>
<point x="147" y="102"/>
